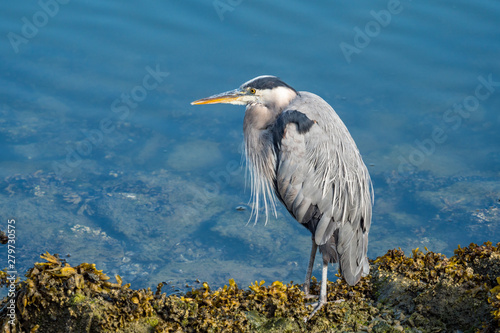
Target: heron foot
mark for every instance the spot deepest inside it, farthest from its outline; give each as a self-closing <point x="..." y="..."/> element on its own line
<point x="309" y="296"/>
<point x="318" y="305"/>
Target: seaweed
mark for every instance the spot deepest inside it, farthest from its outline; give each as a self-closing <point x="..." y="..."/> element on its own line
<point x="423" y="292"/>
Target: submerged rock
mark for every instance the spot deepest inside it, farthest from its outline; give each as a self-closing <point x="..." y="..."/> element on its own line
<point x="202" y="154"/>
<point x="424" y="292"/>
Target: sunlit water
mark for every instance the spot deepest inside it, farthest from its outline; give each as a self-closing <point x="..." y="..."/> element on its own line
<point x="104" y="160"/>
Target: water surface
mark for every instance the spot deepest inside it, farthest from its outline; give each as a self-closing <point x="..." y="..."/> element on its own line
<point x="103" y="158"/>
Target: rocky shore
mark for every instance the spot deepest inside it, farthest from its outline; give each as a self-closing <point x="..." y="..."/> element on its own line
<point x="420" y="292"/>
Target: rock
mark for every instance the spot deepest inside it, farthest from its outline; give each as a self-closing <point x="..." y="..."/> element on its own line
<point x="424" y="292"/>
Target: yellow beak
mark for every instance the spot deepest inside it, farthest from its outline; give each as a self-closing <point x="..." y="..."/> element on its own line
<point x="229" y="97"/>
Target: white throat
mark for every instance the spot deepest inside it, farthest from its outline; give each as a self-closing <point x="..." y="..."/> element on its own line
<point x="278" y="97"/>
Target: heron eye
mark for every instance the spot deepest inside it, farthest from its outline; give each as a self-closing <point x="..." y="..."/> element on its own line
<point x="252" y="90"/>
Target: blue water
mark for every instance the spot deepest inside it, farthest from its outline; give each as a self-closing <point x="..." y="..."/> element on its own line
<point x="104" y="160"/>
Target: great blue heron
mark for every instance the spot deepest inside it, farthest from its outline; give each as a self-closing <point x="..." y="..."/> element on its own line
<point x="296" y="145"/>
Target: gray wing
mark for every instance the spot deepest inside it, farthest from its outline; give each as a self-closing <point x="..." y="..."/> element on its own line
<point x="323" y="182"/>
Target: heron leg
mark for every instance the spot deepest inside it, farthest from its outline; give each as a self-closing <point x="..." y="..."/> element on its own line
<point x="322" y="296"/>
<point x="307" y="283"/>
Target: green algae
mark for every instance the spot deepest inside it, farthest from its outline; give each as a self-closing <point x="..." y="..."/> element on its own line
<point x="77" y="299"/>
<point x="424" y="292"/>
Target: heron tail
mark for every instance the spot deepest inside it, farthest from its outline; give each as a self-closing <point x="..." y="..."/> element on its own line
<point x="351" y="247"/>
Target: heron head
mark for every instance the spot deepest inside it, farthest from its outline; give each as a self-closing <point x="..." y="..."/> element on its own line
<point x="267" y="90"/>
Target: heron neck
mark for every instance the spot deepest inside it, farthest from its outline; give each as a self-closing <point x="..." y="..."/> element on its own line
<point x="261" y="163"/>
<point x="259" y="117"/>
